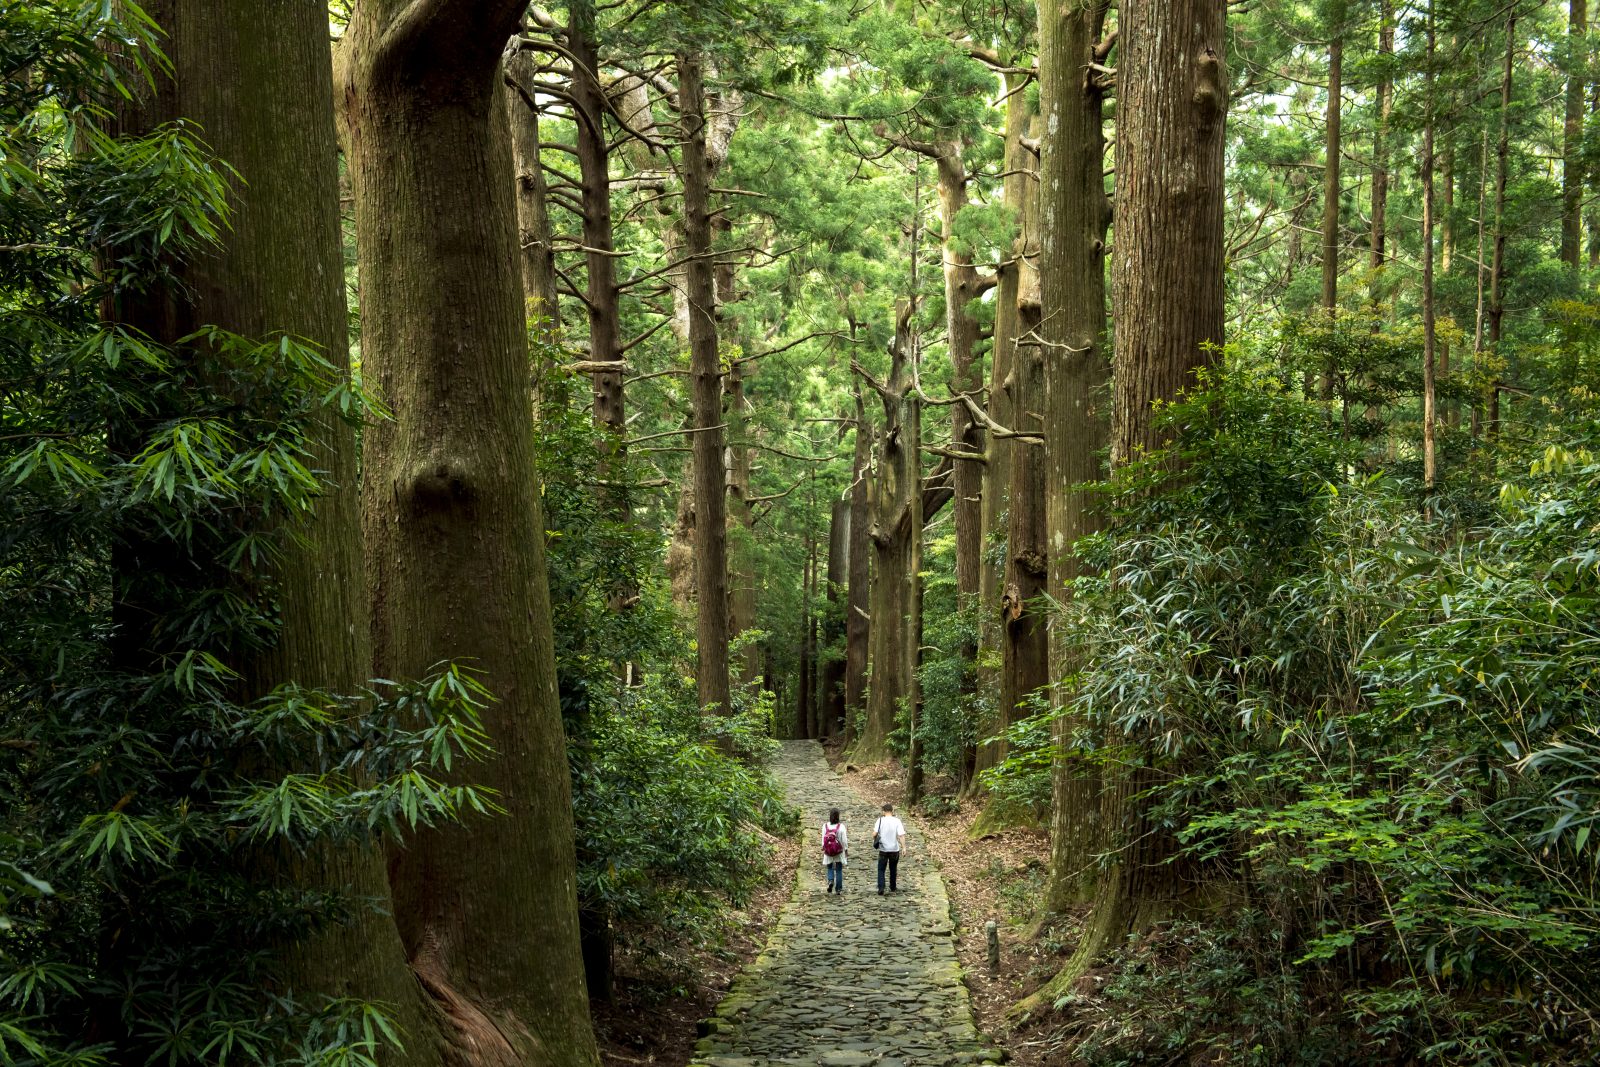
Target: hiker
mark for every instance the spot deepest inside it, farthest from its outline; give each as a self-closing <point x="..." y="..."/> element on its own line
<point x="835" y="849"/>
<point x="889" y="838"/>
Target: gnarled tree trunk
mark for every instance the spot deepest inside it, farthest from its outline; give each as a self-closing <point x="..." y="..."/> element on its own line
<point x="265" y="102"/>
<point x="857" y="608"/>
<point x="488" y="913"/>
<point x="896" y="536"/>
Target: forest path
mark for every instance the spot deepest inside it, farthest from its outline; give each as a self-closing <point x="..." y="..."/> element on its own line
<point x="855" y="979"/>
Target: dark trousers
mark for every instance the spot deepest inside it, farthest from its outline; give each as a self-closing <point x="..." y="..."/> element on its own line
<point x="889" y="861"/>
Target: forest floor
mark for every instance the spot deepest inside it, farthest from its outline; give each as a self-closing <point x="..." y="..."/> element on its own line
<point x="662" y="992"/>
<point x="999" y="878"/>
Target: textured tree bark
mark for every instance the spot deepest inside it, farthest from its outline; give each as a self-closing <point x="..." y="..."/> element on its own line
<point x="1497" y="303"/>
<point x="804" y="726"/>
<point x="1572" y="134"/>
<point x="832" y="679"/>
<point x="536" y="251"/>
<point x="487" y="913"/>
<point x="896" y="536"/>
<point x="1380" y="155"/>
<point x="1073" y="215"/>
<point x="961" y="287"/>
<point x="265" y="102"/>
<point x="1330" y="187"/>
<point x="604" y="307"/>
<point x="1025" y="645"/>
<point x="1019" y="188"/>
<point x="856" y="628"/>
<point x="1451" y="411"/>
<point x="741" y="574"/>
<point x="1167" y="286"/>
<point x="1429" y="461"/>
<point x="705" y="375"/>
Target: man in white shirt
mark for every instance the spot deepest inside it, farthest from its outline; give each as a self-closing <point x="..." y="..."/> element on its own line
<point x="889" y="835"/>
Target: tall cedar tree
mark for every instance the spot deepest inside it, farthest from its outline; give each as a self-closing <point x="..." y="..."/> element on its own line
<point x="1167" y="289"/>
<point x="705" y="375"/>
<point x="266" y="105"/>
<point x="487" y="912"/>
<point x="1073" y="215"/>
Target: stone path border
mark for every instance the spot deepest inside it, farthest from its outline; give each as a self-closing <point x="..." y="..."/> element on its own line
<point x="849" y="980"/>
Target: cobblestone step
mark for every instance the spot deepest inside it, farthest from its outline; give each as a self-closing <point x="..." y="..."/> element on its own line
<point x="853" y="979"/>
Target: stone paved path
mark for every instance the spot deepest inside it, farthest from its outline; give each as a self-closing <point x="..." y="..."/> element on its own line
<point x="851" y="980"/>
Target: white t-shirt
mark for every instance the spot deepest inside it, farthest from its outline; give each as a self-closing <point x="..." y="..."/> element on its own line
<point x="889" y="829"/>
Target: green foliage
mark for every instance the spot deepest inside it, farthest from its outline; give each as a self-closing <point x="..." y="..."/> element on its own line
<point x="148" y="789"/>
<point x="1372" y="730"/>
<point x="950" y="628"/>
<point x="670" y="806"/>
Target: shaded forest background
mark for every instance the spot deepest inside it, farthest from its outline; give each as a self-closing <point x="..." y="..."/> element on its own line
<point x="443" y="443"/>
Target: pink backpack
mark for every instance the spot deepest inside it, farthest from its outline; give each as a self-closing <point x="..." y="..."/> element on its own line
<point x="831" y="845"/>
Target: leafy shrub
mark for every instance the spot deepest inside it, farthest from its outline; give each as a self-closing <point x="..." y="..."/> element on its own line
<point x="1370" y="738"/>
<point x="153" y="796"/>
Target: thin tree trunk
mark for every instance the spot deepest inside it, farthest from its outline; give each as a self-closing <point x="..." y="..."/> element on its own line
<point x="1594" y="206"/>
<point x="537" y="252"/>
<point x="1572" y="134"/>
<point x="265" y="103"/>
<point x="488" y="913"/>
<point x="705" y="373"/>
<point x="1073" y="215"/>
<point x="1497" y="304"/>
<point x="1380" y="155"/>
<point x="1019" y="188"/>
<point x="833" y="670"/>
<point x="1429" y="462"/>
<point x="601" y="294"/>
<point x="741" y="518"/>
<point x="1477" y="318"/>
<point x="1330" y="187"/>
<point x="1451" y="412"/>
<point x="856" y="628"/>
<point x="802" y="701"/>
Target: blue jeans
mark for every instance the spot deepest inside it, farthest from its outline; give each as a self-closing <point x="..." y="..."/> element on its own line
<point x="891" y="862"/>
<point x="836" y="876"/>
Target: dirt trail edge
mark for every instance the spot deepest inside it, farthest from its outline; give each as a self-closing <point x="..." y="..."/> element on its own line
<point x="849" y="980"/>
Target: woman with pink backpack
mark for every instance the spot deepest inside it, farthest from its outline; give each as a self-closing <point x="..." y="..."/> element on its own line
<point x="835" y="850"/>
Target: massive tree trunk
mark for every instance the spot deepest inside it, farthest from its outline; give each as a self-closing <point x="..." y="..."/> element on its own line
<point x="705" y="374"/>
<point x="265" y="102"/>
<point x="1019" y="189"/>
<point x="1073" y="215"/>
<point x="1572" y="133"/>
<point x="1167" y="286"/>
<point x="488" y="913"/>
<point x="856" y="628"/>
<point x="896" y="536"/>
